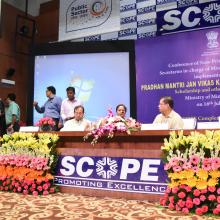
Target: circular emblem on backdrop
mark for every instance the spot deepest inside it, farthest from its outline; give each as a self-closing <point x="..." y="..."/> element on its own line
<point x="98" y="7"/>
<point x="211" y="13"/>
<point x="106" y="167"/>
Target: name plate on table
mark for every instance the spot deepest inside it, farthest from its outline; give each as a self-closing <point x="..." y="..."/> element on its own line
<point x="29" y="129"/>
<point x="156" y="126"/>
<point x="208" y="125"/>
<point x="137" y="175"/>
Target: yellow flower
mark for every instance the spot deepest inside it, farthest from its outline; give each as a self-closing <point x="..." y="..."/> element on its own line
<point x="173" y="184"/>
<point x="212" y="182"/>
<point x="202" y="174"/>
<point x="214" y="173"/>
<point x="189" y="174"/>
<point x="191" y="182"/>
<point x="184" y="182"/>
<point x="201" y="184"/>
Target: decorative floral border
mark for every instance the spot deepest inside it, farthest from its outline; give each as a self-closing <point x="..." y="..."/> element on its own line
<point x="27" y="163"/>
<point x="193" y="166"/>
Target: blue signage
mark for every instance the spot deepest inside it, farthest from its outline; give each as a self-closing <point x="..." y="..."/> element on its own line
<point x="192" y="17"/>
<point x="139" y="175"/>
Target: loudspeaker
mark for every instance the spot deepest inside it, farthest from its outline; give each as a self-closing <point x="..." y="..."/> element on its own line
<point x="10" y="72"/>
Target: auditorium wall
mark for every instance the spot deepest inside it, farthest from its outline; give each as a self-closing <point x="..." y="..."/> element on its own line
<point x="11" y="59"/>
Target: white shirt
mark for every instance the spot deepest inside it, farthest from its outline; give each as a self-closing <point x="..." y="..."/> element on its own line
<point x="67" y="108"/>
<point x="74" y="125"/>
<point x="174" y="120"/>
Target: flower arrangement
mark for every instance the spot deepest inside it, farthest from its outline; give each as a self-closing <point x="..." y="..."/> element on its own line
<point x="46" y="124"/>
<point x="193" y="166"/>
<point x="111" y="124"/>
<point x="27" y="163"/>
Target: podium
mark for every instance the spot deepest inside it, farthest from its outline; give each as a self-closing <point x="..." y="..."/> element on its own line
<point x="139" y="179"/>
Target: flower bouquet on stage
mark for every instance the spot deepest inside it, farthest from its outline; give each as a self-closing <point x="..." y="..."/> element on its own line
<point x="46" y="124"/>
<point x="112" y="124"/>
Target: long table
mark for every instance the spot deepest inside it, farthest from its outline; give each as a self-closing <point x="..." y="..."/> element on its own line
<point x="138" y="145"/>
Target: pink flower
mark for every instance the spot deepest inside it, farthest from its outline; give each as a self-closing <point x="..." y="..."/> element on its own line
<point x="19" y="189"/>
<point x="45" y="192"/>
<point x="167" y="166"/>
<point x="189" y="204"/>
<point x="171" y="199"/>
<point x="177" y="168"/>
<point x="163" y="201"/>
<point x="218" y="199"/>
<point x="168" y="190"/>
<point x="194" y="159"/>
<point x="199" y="211"/>
<point x="181" y="203"/>
<point x="45" y="186"/>
<point x="171" y="206"/>
<point x="181" y="195"/>
<point x="175" y="190"/>
<point x="35" y="193"/>
<point x="25" y="192"/>
<point x="185" y="210"/>
<point x="52" y="190"/>
<point x="196" y="192"/>
<point x="203" y="191"/>
<point x="206" y="161"/>
<point x="218" y="191"/>
<point x="6" y="188"/>
<point x="216" y="211"/>
<point x="188" y="189"/>
<point x="38" y="182"/>
<point x="187" y="166"/>
<point x="205" y="208"/>
<point x="211" y="197"/>
<point x="195" y="168"/>
<point x="40" y="188"/>
<point x="215" y="163"/>
<point x="211" y="189"/>
<point x="196" y="201"/>
<point x="177" y="208"/>
<point x="202" y="198"/>
<point x="174" y="161"/>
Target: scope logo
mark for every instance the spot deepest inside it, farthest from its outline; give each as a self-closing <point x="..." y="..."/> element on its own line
<point x="200" y="16"/>
<point x="116" y="168"/>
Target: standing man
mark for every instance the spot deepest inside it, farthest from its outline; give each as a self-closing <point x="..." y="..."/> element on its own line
<point x="69" y="104"/>
<point x="2" y="119"/>
<point x="51" y="107"/>
<point x="12" y="113"/>
<point x="168" y="115"/>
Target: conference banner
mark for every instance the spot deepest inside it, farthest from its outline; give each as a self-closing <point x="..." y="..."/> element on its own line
<point x="137" y="175"/>
<point x="81" y="18"/>
<point x="188" y="17"/>
<point x="185" y="66"/>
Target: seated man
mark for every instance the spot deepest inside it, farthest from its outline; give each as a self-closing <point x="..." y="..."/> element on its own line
<point x="168" y="115"/>
<point x="78" y="123"/>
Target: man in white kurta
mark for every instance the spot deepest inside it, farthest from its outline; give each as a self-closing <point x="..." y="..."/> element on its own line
<point x="78" y="123"/>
